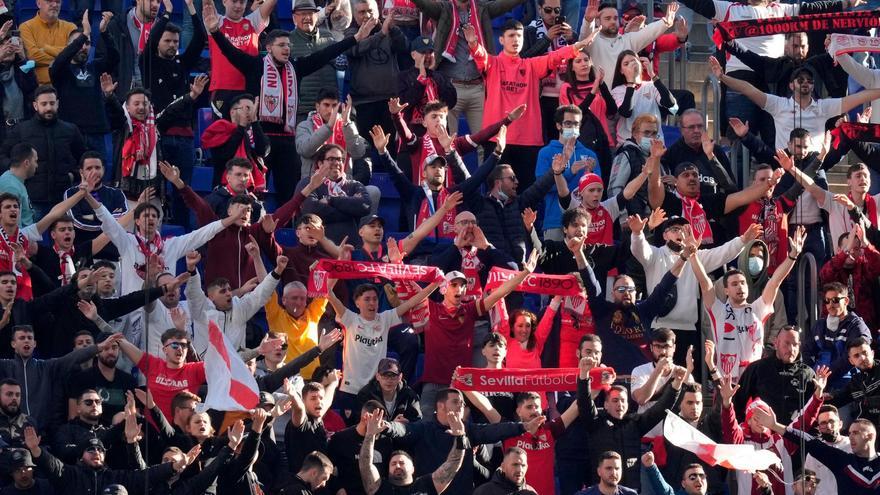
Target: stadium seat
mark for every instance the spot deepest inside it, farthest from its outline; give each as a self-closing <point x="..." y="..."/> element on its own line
<point x="202" y="179"/>
<point x="205" y="116"/>
<point x="285" y="237"/>
<point x="383" y="182"/>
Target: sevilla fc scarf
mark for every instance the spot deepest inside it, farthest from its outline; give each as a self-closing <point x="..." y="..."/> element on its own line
<point x="139" y="148"/>
<point x="429" y="146"/>
<point x="431" y="94"/>
<point x="219" y="132"/>
<point x="337" y="137"/>
<point x="516" y="379"/>
<point x="849" y="43"/>
<point x="695" y="215"/>
<point x="149" y="248"/>
<point x="449" y="51"/>
<point x="278" y="94"/>
<point x="535" y="283"/>
<point x="470" y="266"/>
<point x="65" y="264"/>
<point x="447" y="225"/>
<point x="350" y="270"/>
<point x="554" y="79"/>
<point x="7" y="263"/>
<point x="837" y="21"/>
<point x="852" y="131"/>
<point x="144" y="29"/>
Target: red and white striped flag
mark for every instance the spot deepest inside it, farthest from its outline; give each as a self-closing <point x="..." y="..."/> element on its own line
<point x="742" y="457"/>
<point x="231" y="386"/>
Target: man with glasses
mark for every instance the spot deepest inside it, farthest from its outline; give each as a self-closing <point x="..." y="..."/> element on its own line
<point x="86" y="425"/>
<point x="21" y="470"/>
<point x="696" y="146"/>
<point x="170" y="374"/>
<point x="829" y="426"/>
<point x="812" y="113"/>
<point x="828" y="338"/>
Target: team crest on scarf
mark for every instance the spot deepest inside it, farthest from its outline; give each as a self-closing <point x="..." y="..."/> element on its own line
<point x="271" y="102"/>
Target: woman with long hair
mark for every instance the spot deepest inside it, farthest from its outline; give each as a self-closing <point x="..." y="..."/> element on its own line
<point x="527" y="336"/>
<point x="634" y="96"/>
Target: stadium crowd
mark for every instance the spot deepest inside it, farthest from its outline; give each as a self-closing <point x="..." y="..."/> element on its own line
<point x="335" y="259"/>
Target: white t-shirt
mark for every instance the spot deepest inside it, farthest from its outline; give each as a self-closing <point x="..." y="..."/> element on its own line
<point x="645" y="99"/>
<point x="739" y="334"/>
<point x="787" y="115"/>
<point x="365" y="344"/>
<point x="637" y="379"/>
<point x="769" y="46"/>
<point x="838" y="218"/>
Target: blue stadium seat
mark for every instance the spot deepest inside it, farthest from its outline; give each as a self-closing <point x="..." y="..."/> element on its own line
<point x="172" y="230"/>
<point x="389" y="210"/>
<point x="202" y="179"/>
<point x="383" y="182"/>
<point x="205" y="116"/>
<point x="671" y="134"/>
<point x="286" y="237"/>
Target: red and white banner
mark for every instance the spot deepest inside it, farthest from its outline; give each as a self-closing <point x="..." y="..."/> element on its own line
<point x="742" y="457"/>
<point x="231" y="386"/>
<point x="537" y="283"/>
<point x="350" y="270"/>
<point x="849" y="43"/>
<point x="517" y="379"/>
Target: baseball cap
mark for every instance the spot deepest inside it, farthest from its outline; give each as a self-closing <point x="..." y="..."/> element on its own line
<point x="92" y="443"/>
<point x="674" y="221"/>
<point x="685" y="166"/>
<point x="388" y="365"/>
<point x="433" y="158"/>
<point x="266" y="398"/>
<point x="20" y="458"/>
<point x="804" y="69"/>
<point x="422" y="44"/>
<point x="367" y="220"/>
<point x="449" y="277"/>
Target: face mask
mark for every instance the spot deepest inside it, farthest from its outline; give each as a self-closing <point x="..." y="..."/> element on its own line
<point x="645" y="144"/>
<point x="832" y="322"/>
<point x="570" y="132"/>
<point x="673" y="246"/>
<point x="756" y="265"/>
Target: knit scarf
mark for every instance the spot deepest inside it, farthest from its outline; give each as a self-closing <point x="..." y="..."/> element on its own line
<point x="449" y="51"/>
<point x="336" y="135"/>
<point x="427" y="149"/>
<point x="65" y="263"/>
<point x="855" y="131"/>
<point x="219" y="132"/>
<point x="849" y="43"/>
<point x="431" y="94"/>
<point x="139" y="148"/>
<point x="7" y="262"/>
<point x="149" y="248"/>
<point x="275" y="99"/>
<point x="447" y="225"/>
<point x="541" y="33"/>
<point x="769" y="219"/>
<point x="696" y="216"/>
<point x="837" y="21"/>
<point x="335" y="187"/>
<point x="470" y="266"/>
<point x="144" y="29"/>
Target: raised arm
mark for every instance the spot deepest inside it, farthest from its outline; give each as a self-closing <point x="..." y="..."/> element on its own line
<point x="444" y="474"/>
<point x="656" y="191"/>
<point x="754" y="94"/>
<point x="795" y="246"/>
<point x="852" y="101"/>
<point x="706" y="288"/>
<point x="801" y="178"/>
<point x="414" y="301"/>
<point x="131" y="351"/>
<point x="369" y="474"/>
<point x="482" y="403"/>
<point x="508" y="286"/>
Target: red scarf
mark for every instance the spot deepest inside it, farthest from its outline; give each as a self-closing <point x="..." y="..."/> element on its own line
<point x="219" y="132"/>
<point x="337" y="137"/>
<point x="431" y="94"/>
<point x="144" y="29"/>
<point x="536" y="283"/>
<point x="139" y="146"/>
<point x="7" y="263"/>
<point x="470" y="266"/>
<point x="695" y="215"/>
<point x="517" y="379"/>
<point x="65" y="264"/>
<point x="870" y="208"/>
<point x="351" y="270"/>
<point x="429" y="146"/>
<point x="855" y="132"/>
<point x="149" y="248"/>
<point x="449" y="51"/>
<point x="836" y="21"/>
<point x="447" y="225"/>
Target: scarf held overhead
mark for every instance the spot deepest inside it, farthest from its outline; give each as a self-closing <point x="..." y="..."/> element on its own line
<point x="278" y="96"/>
<point x="516" y="379"/>
<point x="849" y="43"/>
<point x="855" y="132"/>
<point x="731" y="30"/>
<point x="537" y="283"/>
<point x="326" y="269"/>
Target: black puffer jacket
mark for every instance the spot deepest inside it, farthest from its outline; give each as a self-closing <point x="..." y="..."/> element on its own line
<point x="59" y="145"/>
<point x="624" y="435"/>
<point x="502" y="223"/>
<point x="500" y="485"/>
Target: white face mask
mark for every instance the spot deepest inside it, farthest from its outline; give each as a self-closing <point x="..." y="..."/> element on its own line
<point x="755" y="265"/>
<point x="645" y="144"/>
<point x="570" y="132"/>
<point x="832" y="322"/>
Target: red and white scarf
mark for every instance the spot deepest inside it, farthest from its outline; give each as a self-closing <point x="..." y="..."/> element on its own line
<point x="447" y="225"/>
<point x="470" y="266"/>
<point x="65" y="264"/>
<point x="431" y="94"/>
<point x="144" y="29"/>
<point x="335" y="187"/>
<point x="139" y="148"/>
<point x="474" y="19"/>
<point x="869" y="208"/>
<point x="278" y="94"/>
<point x="769" y="218"/>
<point x="427" y="149"/>
<point x="7" y="263"/>
<point x="695" y="215"/>
<point x="337" y="136"/>
<point x="149" y="248"/>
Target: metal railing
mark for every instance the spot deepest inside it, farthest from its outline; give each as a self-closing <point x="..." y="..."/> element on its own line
<point x="807" y="300"/>
<point x="712" y="81"/>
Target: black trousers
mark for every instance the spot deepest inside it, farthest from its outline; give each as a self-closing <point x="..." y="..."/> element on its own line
<point x="284" y="164"/>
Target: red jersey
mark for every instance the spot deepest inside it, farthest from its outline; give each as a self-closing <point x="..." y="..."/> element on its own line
<point x="773" y="216"/>
<point x="24" y="289"/>
<point x="540" y="448"/>
<point x="244" y="35"/>
<point x="449" y="339"/>
<point x="575" y="95"/>
<point x="164" y="383"/>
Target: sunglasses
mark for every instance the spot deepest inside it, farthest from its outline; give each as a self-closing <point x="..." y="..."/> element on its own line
<point x="802" y="80"/>
<point x="92" y="402"/>
<point x="552" y="10"/>
<point x="835" y="300"/>
<point x="625" y="288"/>
<point x="177" y="345"/>
<point x="696" y="476"/>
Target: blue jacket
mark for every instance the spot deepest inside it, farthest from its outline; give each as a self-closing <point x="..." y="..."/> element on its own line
<point x="824" y="347"/>
<point x="552" y="210"/>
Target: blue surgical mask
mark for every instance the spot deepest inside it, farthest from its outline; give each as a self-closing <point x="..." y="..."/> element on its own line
<point x="645" y="145"/>
<point x="570" y="132"/>
<point x="755" y="265"/>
